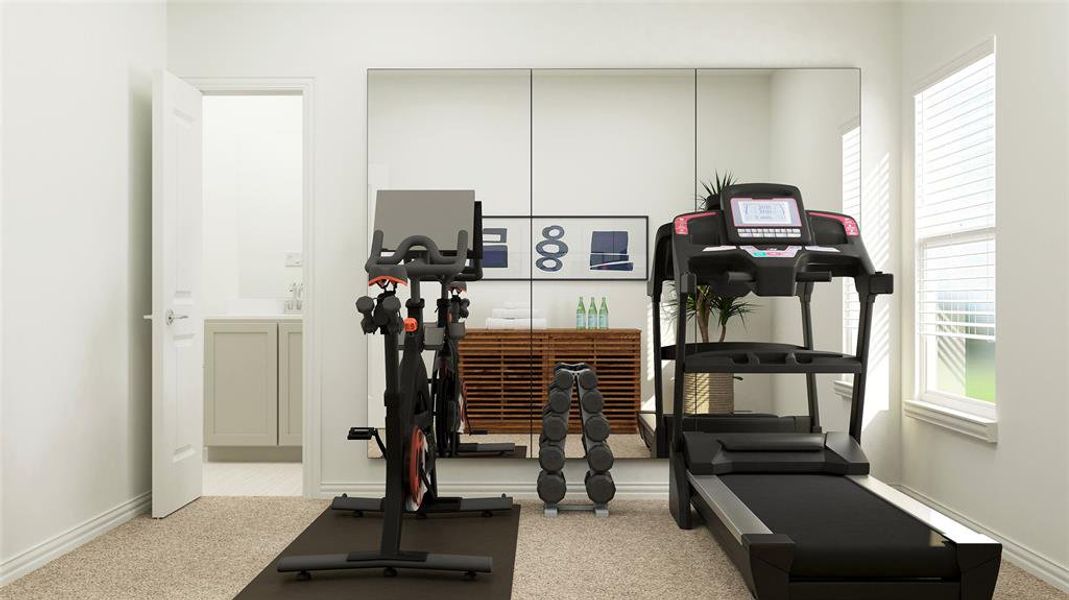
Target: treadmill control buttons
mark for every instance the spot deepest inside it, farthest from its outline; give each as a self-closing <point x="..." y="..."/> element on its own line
<point x="770" y="233"/>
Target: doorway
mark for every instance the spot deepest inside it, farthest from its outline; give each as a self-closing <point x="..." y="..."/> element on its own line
<point x="253" y="299"/>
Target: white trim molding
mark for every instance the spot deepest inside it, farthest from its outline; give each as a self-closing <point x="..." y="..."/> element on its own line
<point x="1031" y="561"/>
<point x="50" y="549"/>
<point x="981" y="428"/>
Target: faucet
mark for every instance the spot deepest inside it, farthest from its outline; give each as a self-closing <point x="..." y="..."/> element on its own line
<point x="293" y="304"/>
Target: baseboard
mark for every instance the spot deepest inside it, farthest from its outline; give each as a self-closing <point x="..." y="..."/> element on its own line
<point x="524" y="490"/>
<point x="1020" y="555"/>
<point x="46" y="551"/>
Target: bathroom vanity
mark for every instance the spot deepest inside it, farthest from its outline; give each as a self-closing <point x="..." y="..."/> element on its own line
<point x="252" y="380"/>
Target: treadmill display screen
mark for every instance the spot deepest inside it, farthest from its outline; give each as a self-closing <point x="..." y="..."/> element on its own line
<point x="765" y="212"/>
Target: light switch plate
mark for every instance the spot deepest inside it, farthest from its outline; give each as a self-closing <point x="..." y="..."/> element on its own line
<point x="294" y="259"/>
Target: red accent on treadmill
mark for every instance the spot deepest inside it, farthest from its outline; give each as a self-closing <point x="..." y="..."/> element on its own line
<point x="848" y="223"/>
<point x="682" y="222"/>
<point x="411" y="324"/>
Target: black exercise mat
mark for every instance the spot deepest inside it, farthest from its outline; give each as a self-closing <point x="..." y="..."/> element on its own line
<point x="336" y="531"/>
<point x="517" y="452"/>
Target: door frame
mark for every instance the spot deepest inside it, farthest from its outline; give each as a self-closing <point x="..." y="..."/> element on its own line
<point x="311" y="387"/>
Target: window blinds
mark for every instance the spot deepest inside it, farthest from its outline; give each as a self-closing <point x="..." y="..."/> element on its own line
<point x="955" y="204"/>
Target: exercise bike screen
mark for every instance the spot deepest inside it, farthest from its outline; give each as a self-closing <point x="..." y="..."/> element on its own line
<point x="765" y="212"/>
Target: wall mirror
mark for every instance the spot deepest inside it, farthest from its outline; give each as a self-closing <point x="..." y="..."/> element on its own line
<point x="575" y="170"/>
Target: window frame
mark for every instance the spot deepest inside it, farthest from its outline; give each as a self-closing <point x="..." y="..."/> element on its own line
<point x="968" y="407"/>
<point x="849" y="294"/>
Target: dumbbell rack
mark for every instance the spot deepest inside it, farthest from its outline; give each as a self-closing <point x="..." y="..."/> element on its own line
<point x="552" y="486"/>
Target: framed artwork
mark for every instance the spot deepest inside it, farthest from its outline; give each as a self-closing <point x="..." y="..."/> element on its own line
<point x="566" y="248"/>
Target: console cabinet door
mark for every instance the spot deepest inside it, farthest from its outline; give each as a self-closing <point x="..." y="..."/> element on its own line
<point x="241" y="384"/>
<point x="290" y="364"/>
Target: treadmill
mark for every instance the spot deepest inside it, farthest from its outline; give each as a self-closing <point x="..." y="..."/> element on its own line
<point x="795" y="507"/>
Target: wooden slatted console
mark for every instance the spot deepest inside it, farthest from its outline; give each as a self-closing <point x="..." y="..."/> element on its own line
<point x="506" y="375"/>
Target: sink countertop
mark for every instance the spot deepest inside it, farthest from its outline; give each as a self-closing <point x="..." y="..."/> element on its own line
<point x="264" y="317"/>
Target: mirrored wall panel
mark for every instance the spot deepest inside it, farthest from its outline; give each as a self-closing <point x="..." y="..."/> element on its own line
<point x="576" y="170"/>
<point x="464" y="130"/>
<point x="612" y="159"/>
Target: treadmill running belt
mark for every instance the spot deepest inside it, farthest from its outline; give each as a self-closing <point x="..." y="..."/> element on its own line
<point x="842" y="530"/>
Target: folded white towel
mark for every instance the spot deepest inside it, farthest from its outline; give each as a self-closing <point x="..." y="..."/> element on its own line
<point x="493" y="323"/>
<point x="517" y="313"/>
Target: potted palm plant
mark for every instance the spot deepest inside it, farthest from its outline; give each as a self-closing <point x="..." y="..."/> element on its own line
<point x="711" y="392"/>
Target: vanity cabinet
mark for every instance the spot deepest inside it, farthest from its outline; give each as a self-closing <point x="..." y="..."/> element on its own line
<point x="252" y="382"/>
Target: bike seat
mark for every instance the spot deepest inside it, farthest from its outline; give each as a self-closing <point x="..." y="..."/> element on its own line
<point x="379" y="274"/>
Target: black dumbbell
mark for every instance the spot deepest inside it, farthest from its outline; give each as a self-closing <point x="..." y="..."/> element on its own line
<point x="592" y="401"/>
<point x="551" y="456"/>
<point x="559" y="401"/>
<point x="555" y="426"/>
<point x="588" y="380"/>
<point x="599" y="487"/>
<point x="598" y="456"/>
<point x="595" y="428"/>
<point x="552" y="487"/>
<point x="562" y="380"/>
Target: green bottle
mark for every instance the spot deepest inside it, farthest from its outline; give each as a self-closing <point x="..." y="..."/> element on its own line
<point x="580" y="315"/>
<point x="603" y="315"/>
<point x="592" y="314"/>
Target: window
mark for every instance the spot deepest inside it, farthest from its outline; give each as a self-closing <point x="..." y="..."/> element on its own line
<point x="851" y="155"/>
<point x="955" y="237"/>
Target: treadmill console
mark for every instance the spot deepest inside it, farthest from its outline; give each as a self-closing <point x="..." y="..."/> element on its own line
<point x="765" y="214"/>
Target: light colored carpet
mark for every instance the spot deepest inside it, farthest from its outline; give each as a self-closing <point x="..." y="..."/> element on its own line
<point x="212" y="548"/>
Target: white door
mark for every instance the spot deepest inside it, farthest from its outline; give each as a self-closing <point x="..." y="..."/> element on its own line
<point x="177" y="324"/>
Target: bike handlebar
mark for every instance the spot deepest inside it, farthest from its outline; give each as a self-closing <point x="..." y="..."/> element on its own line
<point x="431" y="264"/>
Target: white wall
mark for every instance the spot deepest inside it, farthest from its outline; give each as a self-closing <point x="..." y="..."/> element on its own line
<point x="76" y="258"/>
<point x="1019" y="487"/>
<point x="336" y="43"/>
<point x="808" y="111"/>
<point x="252" y="201"/>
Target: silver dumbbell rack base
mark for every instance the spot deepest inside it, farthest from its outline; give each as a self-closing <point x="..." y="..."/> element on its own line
<point x="552" y="510"/>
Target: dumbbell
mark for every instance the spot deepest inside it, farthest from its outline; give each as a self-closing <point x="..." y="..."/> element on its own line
<point x="562" y="380"/>
<point x="598" y="456"/>
<point x="559" y="401"/>
<point x="592" y="401"/>
<point x="551" y="456"/>
<point x="555" y="426"/>
<point x="595" y="428"/>
<point x="599" y="487"/>
<point x="552" y="487"/>
<point x="588" y="380"/>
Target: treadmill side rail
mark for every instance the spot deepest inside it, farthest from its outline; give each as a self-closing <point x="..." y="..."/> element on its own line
<point x="951" y="529"/>
<point x="732" y="512"/>
<point x="979" y="556"/>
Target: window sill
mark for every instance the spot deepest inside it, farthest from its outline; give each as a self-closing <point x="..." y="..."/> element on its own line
<point x="844" y="389"/>
<point x="964" y="423"/>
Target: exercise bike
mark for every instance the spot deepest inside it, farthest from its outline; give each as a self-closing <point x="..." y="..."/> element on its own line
<point x="447" y="387"/>
<point x="410" y="445"/>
